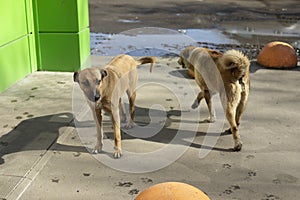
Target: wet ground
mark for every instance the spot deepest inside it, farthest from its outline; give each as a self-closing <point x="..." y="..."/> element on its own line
<point x="252" y="23"/>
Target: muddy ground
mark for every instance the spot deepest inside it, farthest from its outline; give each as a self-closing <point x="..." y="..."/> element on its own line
<point x="108" y="16"/>
<point x="252" y="23"/>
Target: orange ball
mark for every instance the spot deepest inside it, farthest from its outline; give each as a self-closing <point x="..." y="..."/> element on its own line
<point x="172" y="190"/>
<point x="277" y="55"/>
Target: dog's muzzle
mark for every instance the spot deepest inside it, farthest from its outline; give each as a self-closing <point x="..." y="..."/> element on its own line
<point x="94" y="97"/>
<point x="97" y="97"/>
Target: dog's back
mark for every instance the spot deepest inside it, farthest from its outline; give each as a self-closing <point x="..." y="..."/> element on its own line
<point x="215" y="68"/>
<point x="122" y="64"/>
<point x="206" y="69"/>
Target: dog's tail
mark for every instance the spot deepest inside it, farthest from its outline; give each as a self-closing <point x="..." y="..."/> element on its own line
<point x="145" y="60"/>
<point x="236" y="61"/>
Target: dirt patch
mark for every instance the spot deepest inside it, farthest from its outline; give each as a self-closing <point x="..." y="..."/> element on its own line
<point x="118" y="15"/>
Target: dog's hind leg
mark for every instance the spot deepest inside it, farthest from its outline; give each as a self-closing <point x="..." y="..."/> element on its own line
<point x="212" y="117"/>
<point x="131" y="97"/>
<point x="231" y="117"/>
<point x="197" y="100"/>
<point x="241" y="107"/>
<point x="122" y="110"/>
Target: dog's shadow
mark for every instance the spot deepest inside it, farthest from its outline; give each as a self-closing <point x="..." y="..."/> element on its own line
<point x="180" y="73"/>
<point x="41" y="133"/>
<point x="166" y="134"/>
<point x="38" y="133"/>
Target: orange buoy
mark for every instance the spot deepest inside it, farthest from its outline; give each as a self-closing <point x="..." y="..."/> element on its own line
<point x="172" y="190"/>
<point x="277" y="55"/>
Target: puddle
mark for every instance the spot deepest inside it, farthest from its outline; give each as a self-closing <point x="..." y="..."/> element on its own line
<point x="248" y="37"/>
<point x="129" y="20"/>
<point x="263" y="28"/>
<point x="209" y="35"/>
<point x="154" y="41"/>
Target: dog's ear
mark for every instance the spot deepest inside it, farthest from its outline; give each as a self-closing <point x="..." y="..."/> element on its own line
<point x="103" y="73"/>
<point x="214" y="54"/>
<point x="75" y="77"/>
<point x="231" y="65"/>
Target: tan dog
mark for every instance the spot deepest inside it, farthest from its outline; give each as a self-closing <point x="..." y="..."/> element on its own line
<point x="104" y="87"/>
<point x="226" y="74"/>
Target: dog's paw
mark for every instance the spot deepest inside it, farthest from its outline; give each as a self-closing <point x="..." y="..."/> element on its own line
<point x="123" y="119"/>
<point x="237" y="145"/>
<point x="195" y="105"/>
<point x="117" y="153"/>
<point x="210" y="120"/>
<point x="128" y="126"/>
<point x="227" y="132"/>
<point x="97" y="149"/>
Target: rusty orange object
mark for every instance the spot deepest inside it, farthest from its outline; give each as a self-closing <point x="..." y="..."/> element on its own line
<point x="172" y="190"/>
<point x="277" y="55"/>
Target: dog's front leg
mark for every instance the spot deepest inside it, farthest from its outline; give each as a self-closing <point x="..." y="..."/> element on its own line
<point x="98" y="120"/>
<point x="117" y="132"/>
<point x="241" y="107"/>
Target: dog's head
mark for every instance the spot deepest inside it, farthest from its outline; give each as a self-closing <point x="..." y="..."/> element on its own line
<point x="90" y="81"/>
<point x="184" y="57"/>
<point x="185" y="64"/>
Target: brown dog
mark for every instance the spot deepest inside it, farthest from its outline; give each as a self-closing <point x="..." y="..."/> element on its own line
<point x="226" y="74"/>
<point x="104" y="87"/>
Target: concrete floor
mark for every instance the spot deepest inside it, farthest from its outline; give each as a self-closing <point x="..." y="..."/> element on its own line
<point x="43" y="153"/>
